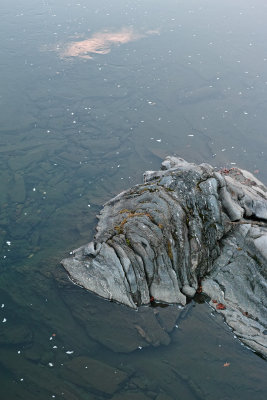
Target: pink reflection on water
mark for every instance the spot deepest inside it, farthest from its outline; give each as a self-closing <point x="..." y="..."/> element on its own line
<point x="101" y="43"/>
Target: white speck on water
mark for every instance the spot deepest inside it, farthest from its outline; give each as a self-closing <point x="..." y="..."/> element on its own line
<point x="21" y="379"/>
<point x="69" y="352"/>
<point x="2" y="305"/>
<point x="118" y="166"/>
<point x="140" y="347"/>
<point x="176" y="326"/>
<point x="34" y="189"/>
<point x="8" y="243"/>
<point x="191" y="135"/>
<point x="246" y="113"/>
<point x="19" y="351"/>
<point x="158" y="140"/>
<point x="4" y="320"/>
<point x="233" y="163"/>
<point x="50" y="364"/>
<point x="223" y="149"/>
<point x="88" y="205"/>
<point x="86" y="366"/>
<point x="54" y="347"/>
<point x="50" y="338"/>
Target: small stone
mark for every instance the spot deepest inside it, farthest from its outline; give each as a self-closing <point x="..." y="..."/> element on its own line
<point x="188" y="291"/>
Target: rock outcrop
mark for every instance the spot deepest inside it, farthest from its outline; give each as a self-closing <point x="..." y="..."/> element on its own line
<point x="186" y="226"/>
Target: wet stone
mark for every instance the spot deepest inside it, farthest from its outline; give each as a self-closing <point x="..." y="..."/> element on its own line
<point x="168" y="317"/>
<point x="187" y="226"/>
<point x="12" y="333"/>
<point x="120" y="328"/>
<point x="17" y="191"/>
<point x="23" y="161"/>
<point x="163" y="396"/>
<point x="94" y="374"/>
<point x="130" y="396"/>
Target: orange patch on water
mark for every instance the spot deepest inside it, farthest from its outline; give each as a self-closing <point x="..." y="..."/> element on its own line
<point x="101" y="43"/>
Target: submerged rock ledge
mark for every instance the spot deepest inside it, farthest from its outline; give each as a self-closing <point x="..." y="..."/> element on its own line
<point x="187" y="225"/>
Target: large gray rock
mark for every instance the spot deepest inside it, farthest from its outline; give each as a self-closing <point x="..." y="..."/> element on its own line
<point x="184" y="225"/>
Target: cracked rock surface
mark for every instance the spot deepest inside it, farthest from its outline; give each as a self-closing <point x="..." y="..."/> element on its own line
<point x="185" y="224"/>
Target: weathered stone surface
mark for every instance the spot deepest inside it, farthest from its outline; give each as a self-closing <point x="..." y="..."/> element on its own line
<point x="185" y="224"/>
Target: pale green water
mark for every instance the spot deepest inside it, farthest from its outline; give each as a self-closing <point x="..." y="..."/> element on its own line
<point x="176" y="77"/>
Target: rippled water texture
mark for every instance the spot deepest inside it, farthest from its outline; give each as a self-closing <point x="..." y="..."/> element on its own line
<point x="92" y="94"/>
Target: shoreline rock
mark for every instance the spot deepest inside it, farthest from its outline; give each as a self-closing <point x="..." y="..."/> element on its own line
<point x="184" y="225"/>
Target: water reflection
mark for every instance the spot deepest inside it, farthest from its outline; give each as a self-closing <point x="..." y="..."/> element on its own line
<point x="75" y="134"/>
<point x="101" y="42"/>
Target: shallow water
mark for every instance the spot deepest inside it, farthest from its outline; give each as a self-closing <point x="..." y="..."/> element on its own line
<point x="92" y="94"/>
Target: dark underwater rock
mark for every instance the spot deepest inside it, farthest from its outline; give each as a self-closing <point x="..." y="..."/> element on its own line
<point x="184" y="225"/>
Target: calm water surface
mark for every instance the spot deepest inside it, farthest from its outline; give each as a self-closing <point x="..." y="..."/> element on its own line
<point x="92" y="94"/>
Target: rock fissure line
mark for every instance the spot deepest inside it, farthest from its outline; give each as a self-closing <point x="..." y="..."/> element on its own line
<point x="122" y="265"/>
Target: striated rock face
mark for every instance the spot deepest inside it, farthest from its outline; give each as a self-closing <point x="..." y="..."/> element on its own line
<point x="184" y="225"/>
